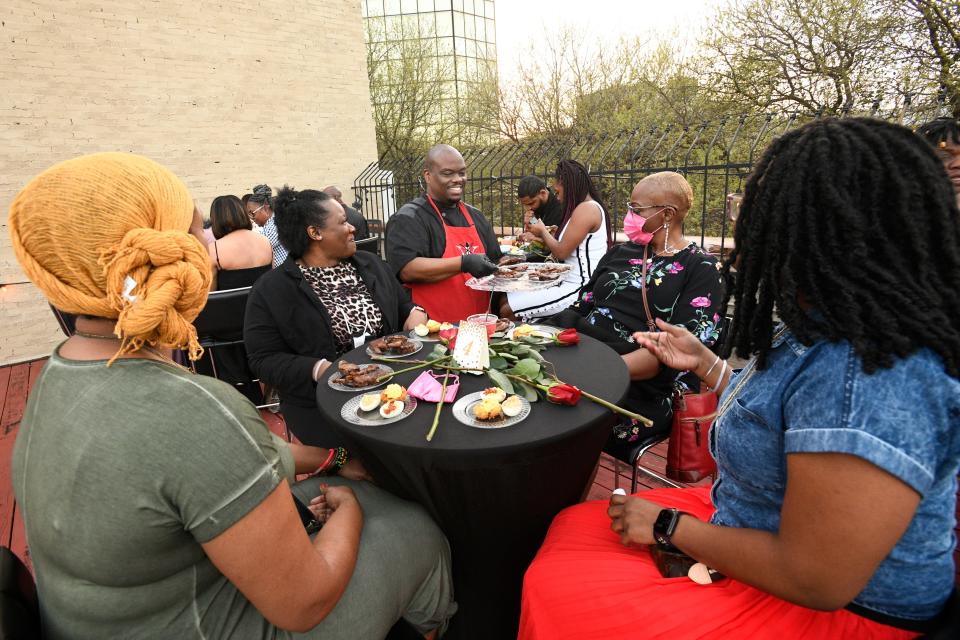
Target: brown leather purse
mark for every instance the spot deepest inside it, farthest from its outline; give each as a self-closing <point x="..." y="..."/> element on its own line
<point x="688" y="451"/>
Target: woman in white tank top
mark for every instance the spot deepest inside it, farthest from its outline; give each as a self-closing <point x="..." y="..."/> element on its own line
<point x="583" y="239"/>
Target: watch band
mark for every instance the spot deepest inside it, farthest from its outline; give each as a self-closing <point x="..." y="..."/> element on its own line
<point x="665" y="525"/>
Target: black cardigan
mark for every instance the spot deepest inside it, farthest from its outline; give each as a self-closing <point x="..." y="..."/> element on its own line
<point x="287" y="329"/>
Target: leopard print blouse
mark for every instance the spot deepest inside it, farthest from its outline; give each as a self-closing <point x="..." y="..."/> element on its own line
<point x="348" y="302"/>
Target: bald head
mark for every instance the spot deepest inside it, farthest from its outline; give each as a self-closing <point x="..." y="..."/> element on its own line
<point x="333" y="192"/>
<point x="667" y="187"/>
<point x="445" y="173"/>
<point x="439" y="153"/>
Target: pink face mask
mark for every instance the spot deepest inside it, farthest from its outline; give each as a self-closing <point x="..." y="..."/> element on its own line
<point x="633" y="226"/>
<point x="427" y="387"/>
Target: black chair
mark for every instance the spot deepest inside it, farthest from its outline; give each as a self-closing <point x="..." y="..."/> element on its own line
<point x="67" y="321"/>
<point x="19" y="609"/>
<point x="371" y="244"/>
<point x="220" y="329"/>
<point x="947" y="625"/>
<point x="632" y="453"/>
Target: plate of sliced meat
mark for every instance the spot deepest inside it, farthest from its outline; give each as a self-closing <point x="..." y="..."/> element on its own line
<point x="524" y="276"/>
<point x="358" y="377"/>
<point x="393" y="346"/>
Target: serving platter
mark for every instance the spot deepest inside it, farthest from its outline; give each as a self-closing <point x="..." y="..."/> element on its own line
<point x="499" y="282"/>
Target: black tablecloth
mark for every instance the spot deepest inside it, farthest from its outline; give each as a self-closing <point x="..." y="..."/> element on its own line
<point x="493" y="492"/>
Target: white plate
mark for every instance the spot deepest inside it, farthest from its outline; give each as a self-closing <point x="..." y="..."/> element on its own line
<point x="539" y="331"/>
<point x="384" y="369"/>
<point x="463" y="411"/>
<point x="430" y="337"/>
<point x="416" y="343"/>
<point x="351" y="412"/>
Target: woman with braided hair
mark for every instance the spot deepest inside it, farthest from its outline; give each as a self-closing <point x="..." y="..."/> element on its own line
<point x="837" y="448"/>
<point x="156" y="502"/>
<point x="581" y="240"/>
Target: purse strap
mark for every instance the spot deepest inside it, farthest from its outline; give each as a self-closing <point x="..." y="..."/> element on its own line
<point x="643" y="290"/>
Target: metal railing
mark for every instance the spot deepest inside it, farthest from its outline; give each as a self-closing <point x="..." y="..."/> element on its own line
<point x="715" y="157"/>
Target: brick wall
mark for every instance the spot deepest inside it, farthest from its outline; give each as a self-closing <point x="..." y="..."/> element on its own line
<point x="227" y="94"/>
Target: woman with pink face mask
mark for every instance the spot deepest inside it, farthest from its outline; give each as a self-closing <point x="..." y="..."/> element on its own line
<point x="683" y="287"/>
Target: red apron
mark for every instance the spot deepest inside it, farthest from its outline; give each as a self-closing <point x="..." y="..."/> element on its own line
<point x="451" y="300"/>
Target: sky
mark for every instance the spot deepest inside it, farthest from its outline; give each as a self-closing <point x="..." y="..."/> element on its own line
<point x="521" y="21"/>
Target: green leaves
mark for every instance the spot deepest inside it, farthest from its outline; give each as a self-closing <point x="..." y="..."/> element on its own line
<point x="500" y="380"/>
<point x="526" y="368"/>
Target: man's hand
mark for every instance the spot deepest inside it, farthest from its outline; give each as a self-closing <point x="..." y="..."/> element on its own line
<point x="477" y="265"/>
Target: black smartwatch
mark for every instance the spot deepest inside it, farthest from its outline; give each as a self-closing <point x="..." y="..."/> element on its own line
<point x="665" y="525"/>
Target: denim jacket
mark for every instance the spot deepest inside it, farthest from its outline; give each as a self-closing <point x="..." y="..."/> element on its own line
<point x="905" y="420"/>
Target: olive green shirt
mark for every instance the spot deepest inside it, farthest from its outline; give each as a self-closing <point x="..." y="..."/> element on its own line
<point x="121" y="473"/>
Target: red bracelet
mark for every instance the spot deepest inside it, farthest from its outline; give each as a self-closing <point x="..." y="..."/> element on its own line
<point x="326" y="463"/>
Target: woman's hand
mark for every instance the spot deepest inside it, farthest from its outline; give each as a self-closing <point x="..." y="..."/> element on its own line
<point x="633" y="519"/>
<point x="354" y="470"/>
<point x="674" y="346"/>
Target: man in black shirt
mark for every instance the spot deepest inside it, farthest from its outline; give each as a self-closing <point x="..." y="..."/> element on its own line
<point x="435" y="242"/>
<point x="538" y="200"/>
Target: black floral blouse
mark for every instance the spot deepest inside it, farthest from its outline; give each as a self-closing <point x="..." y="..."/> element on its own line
<point x="352" y="311"/>
<point x="685" y="288"/>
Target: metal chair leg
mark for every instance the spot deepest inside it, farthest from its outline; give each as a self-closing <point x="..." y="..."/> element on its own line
<point x="616" y="473"/>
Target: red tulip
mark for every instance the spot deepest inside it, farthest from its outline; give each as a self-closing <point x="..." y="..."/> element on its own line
<point x="563" y="393"/>
<point x="567" y="338"/>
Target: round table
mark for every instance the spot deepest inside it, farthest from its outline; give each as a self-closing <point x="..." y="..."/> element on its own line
<point x="493" y="492"/>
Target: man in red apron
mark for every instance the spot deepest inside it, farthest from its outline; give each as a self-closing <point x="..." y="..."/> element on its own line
<point x="435" y="242"/>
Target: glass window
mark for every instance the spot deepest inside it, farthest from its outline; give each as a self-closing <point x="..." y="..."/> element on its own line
<point x="468" y="27"/>
<point x="488" y="12"/>
<point x="480" y="28"/>
<point x="391" y="7"/>
<point x="468" y="6"/>
<point x="376" y="30"/>
<point x="445" y="66"/>
<point x="393" y="28"/>
<point x="408" y="6"/>
<point x="458" y="5"/>
<point x="425" y="5"/>
<point x="411" y="26"/>
<point x="374" y="7"/>
<point x="491" y="31"/>
<point x="460" y="46"/>
<point x="458" y="23"/>
<point x="445" y="46"/>
<point x="428" y="25"/>
<point x="471" y="48"/>
<point x="444" y="24"/>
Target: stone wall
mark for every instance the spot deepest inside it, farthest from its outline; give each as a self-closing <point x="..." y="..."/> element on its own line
<point x="227" y="94"/>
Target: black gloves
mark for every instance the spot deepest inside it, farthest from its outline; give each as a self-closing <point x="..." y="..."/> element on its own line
<point x="477" y="264"/>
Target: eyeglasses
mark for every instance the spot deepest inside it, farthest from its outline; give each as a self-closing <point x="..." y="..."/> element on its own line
<point x="637" y="208"/>
<point x="254" y="212"/>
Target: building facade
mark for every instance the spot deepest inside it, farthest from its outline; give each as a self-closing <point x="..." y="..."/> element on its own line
<point x="227" y="95"/>
<point x="456" y="37"/>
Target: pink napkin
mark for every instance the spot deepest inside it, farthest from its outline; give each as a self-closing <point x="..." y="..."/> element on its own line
<point x="428" y="385"/>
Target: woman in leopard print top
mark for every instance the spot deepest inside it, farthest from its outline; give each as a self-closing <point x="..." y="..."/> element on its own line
<point x="323" y="301"/>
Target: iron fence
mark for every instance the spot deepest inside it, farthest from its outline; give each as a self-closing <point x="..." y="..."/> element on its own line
<point x="715" y="157"/>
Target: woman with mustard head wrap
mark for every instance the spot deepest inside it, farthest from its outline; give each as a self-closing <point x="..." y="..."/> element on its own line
<point x="157" y="502"/>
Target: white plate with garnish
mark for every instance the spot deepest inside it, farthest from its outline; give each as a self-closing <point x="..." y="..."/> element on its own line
<point x="464" y="411"/>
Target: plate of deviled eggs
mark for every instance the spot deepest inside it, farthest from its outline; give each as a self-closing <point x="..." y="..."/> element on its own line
<point x="375" y="409"/>
<point x="491" y="409"/>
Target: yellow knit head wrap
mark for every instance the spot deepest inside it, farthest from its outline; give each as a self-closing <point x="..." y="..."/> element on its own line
<point x="105" y="235"/>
